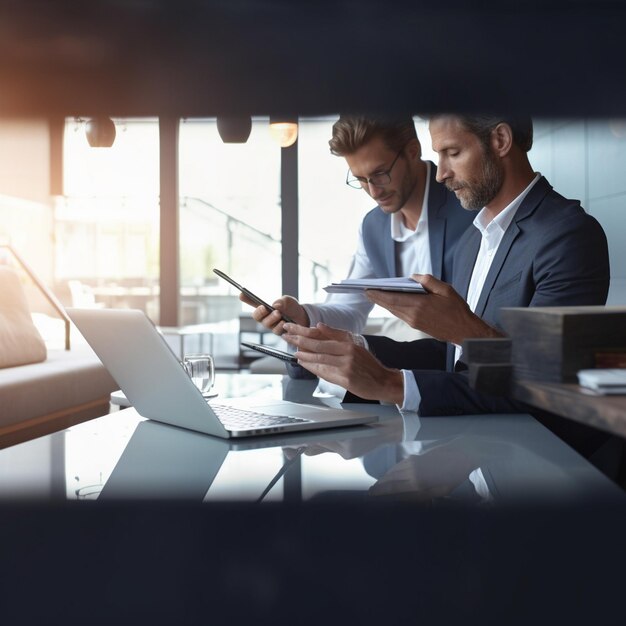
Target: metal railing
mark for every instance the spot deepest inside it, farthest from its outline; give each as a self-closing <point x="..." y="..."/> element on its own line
<point x="201" y="206"/>
<point x="48" y="295"/>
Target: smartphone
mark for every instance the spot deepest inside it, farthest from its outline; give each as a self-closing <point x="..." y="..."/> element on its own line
<point x="279" y="354"/>
<point x="250" y="295"/>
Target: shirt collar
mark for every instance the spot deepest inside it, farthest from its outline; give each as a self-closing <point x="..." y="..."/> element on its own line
<point x="503" y="220"/>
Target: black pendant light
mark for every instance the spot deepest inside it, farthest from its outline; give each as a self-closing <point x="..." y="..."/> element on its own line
<point x="100" y="132"/>
<point x="234" y="129"/>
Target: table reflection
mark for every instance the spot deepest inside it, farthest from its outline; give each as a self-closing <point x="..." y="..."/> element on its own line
<point x="462" y="460"/>
<point x="475" y="460"/>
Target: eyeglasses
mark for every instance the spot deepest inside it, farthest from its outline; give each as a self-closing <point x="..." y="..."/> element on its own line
<point x="379" y="179"/>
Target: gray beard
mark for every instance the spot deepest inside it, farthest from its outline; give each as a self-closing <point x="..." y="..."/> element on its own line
<point x="484" y="192"/>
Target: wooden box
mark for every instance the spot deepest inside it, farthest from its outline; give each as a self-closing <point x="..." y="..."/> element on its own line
<point x="552" y="344"/>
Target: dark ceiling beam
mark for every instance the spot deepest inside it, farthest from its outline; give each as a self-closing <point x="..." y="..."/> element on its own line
<point x="209" y="57"/>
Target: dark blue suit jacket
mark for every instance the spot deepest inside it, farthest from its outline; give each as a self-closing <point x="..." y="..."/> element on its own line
<point x="447" y="221"/>
<point x="552" y="254"/>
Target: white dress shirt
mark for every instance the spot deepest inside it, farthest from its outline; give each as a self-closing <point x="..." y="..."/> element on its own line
<point x="350" y="311"/>
<point x="492" y="233"/>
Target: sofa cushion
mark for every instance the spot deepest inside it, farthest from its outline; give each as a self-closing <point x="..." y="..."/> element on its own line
<point x="67" y="379"/>
<point x="20" y="341"/>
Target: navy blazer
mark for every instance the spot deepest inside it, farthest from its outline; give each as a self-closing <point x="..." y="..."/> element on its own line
<point x="447" y="221"/>
<point x="552" y="254"/>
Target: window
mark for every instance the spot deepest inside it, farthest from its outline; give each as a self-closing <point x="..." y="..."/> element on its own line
<point x="107" y="223"/>
<point x="229" y="219"/>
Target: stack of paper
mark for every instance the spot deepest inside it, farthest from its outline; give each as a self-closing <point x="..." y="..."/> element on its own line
<point x="350" y="285"/>
<point x="604" y="381"/>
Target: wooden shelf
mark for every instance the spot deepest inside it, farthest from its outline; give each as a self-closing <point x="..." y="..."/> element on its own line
<point x="574" y="402"/>
<point x="544" y="348"/>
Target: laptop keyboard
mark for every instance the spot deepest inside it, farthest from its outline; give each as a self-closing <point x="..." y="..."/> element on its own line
<point x="234" y="419"/>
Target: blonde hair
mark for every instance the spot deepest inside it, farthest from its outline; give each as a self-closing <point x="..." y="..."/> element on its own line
<point x="351" y="132"/>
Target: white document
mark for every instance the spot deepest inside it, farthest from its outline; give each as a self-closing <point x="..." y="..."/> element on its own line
<point x="350" y="285"/>
<point x="604" y="381"/>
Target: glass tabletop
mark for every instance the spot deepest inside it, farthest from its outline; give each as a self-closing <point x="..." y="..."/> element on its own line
<point x="479" y="460"/>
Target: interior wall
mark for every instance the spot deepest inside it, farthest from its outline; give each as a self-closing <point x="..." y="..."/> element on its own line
<point x="586" y="159"/>
<point x="25" y="159"/>
<point x="25" y="204"/>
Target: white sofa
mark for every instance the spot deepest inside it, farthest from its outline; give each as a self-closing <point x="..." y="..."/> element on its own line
<point x="42" y="389"/>
<point x="69" y="387"/>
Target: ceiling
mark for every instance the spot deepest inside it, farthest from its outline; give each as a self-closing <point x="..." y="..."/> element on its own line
<point x="205" y="57"/>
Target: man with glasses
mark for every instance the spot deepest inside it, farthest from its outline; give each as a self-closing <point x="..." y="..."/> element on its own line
<point x="413" y="229"/>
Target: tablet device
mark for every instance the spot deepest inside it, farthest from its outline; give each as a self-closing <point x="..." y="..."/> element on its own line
<point x="279" y="354"/>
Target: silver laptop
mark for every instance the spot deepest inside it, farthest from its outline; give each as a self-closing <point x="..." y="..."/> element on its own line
<point x="154" y="381"/>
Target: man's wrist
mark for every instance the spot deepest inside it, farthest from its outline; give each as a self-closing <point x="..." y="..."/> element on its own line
<point x="484" y="330"/>
<point x="394" y="387"/>
<point x="478" y="329"/>
<point x="360" y="341"/>
<point x="312" y="316"/>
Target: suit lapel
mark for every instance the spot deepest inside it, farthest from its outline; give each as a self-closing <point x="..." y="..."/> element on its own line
<point x="465" y="260"/>
<point x="503" y="250"/>
<point x="527" y="208"/>
<point x="389" y="249"/>
<point x="436" y="223"/>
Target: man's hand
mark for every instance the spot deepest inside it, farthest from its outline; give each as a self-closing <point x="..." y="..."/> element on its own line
<point x="333" y="355"/>
<point x="272" y="319"/>
<point x="441" y="313"/>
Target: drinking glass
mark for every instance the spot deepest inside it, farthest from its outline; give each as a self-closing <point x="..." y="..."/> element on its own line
<point x="201" y="370"/>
